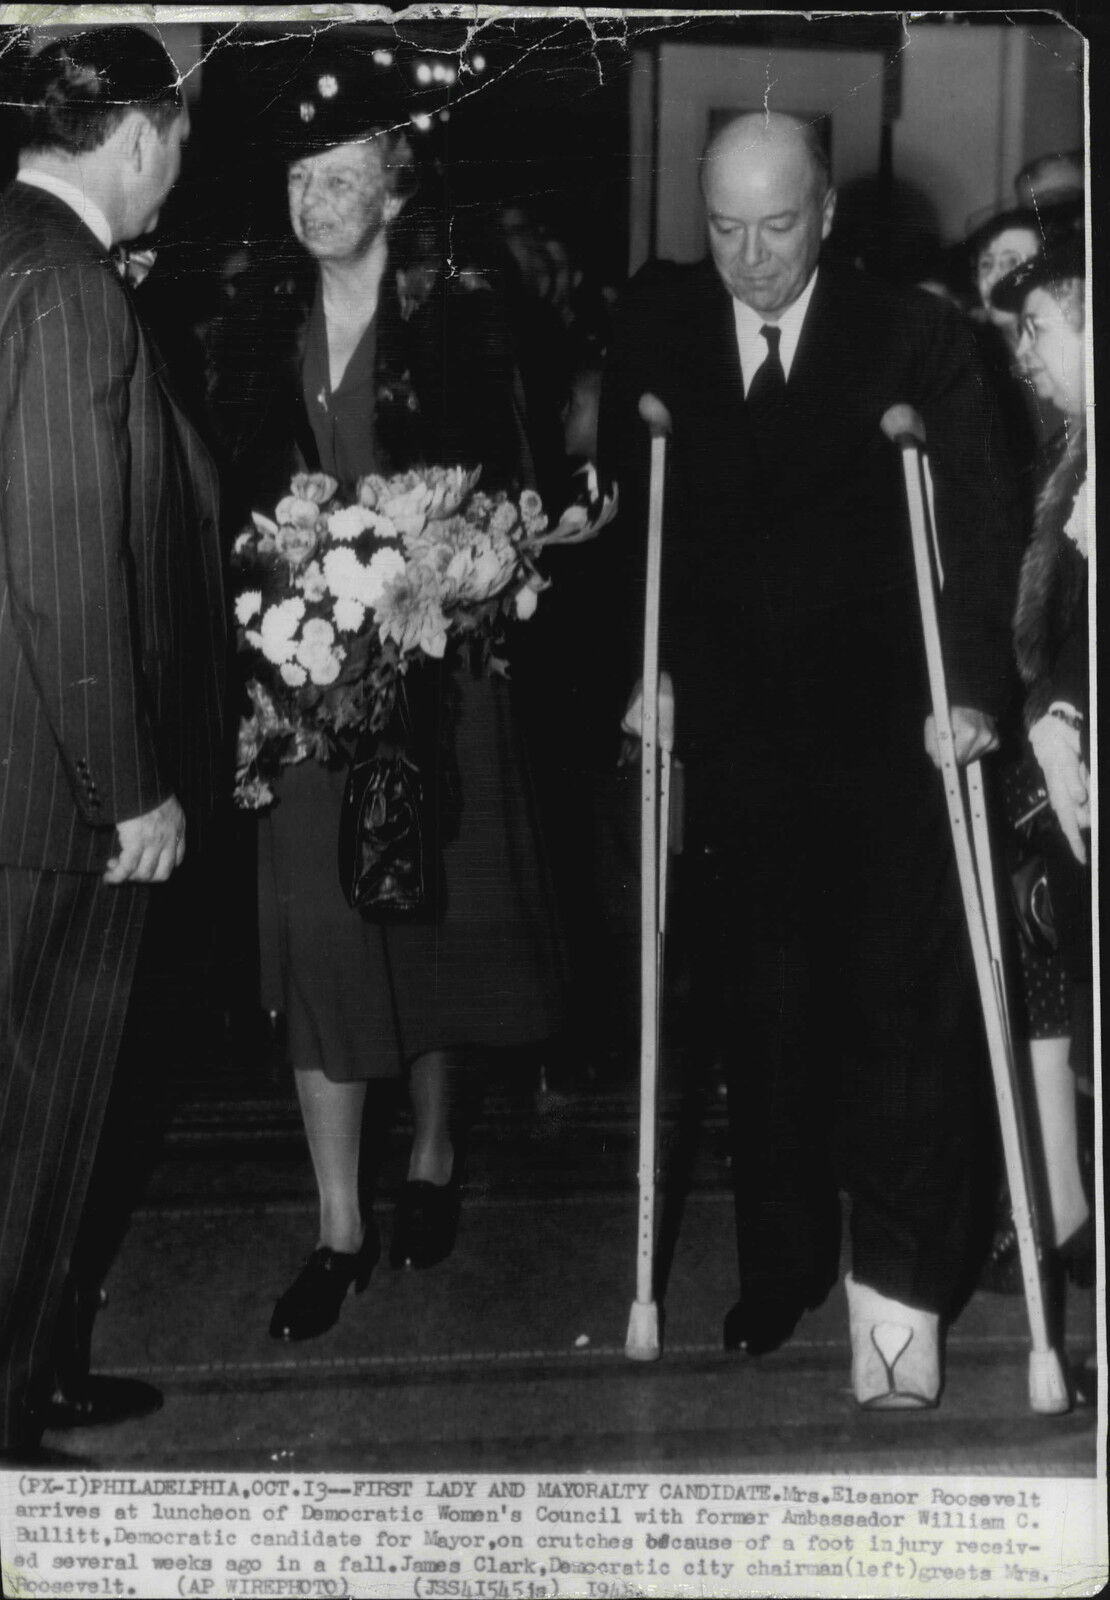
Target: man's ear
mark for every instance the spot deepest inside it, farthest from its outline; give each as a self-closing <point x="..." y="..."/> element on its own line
<point x="392" y="207"/>
<point x="828" y="213"/>
<point x="131" y="141"/>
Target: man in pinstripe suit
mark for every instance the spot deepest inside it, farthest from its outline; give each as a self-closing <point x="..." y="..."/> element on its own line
<point x="112" y="642"/>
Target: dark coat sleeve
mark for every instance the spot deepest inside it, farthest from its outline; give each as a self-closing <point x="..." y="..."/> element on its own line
<point x="64" y="513"/>
<point x="978" y="514"/>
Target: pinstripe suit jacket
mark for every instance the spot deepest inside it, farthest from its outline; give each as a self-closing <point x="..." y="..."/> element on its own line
<point x="112" y="619"/>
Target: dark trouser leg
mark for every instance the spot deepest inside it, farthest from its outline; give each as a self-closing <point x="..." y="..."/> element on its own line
<point x="913" y="1131"/>
<point x="751" y="992"/>
<point x="68" y="947"/>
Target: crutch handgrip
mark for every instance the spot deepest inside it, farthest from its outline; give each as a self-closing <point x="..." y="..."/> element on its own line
<point x="903" y="425"/>
<point x="656" y="415"/>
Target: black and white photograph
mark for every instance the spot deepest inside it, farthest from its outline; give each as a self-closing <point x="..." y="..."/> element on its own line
<point x="549" y="986"/>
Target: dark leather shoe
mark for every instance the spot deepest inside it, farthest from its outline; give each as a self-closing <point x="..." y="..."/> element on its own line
<point x="98" y="1402"/>
<point x="756" y="1327"/>
<point x="313" y="1301"/>
<point x="426" y="1222"/>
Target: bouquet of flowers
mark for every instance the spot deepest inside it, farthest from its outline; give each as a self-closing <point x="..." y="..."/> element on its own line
<point x="334" y="600"/>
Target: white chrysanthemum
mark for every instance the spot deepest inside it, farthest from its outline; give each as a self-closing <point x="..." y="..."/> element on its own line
<point x="381" y="527"/>
<point x="318" y="634"/>
<point x="253" y="638"/>
<point x="311" y="654"/>
<point x="348" y="578"/>
<point x="248" y="605"/>
<point x="346" y="525"/>
<point x="382" y="568"/>
<point x="277" y="628"/>
<point x="325" y="669"/>
<point x="293" y="675"/>
<point x="343" y="573"/>
<point x="349" y="615"/>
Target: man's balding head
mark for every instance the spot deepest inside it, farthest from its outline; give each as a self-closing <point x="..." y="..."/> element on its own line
<point x="771" y="135"/>
<point x="769" y="204"/>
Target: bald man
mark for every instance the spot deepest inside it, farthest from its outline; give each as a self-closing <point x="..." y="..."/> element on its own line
<point x="830" y="960"/>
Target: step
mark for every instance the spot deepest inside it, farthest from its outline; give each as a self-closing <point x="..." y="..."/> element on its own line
<point x="511" y="1354"/>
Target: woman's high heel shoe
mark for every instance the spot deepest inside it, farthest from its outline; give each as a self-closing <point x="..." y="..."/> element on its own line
<point x="313" y="1301"/>
<point x="426" y="1221"/>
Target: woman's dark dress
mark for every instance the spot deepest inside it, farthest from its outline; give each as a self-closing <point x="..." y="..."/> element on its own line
<point x="362" y="998"/>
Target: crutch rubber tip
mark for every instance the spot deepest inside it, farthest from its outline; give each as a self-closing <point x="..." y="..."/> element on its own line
<point x="1048" y="1389"/>
<point x="642" y="1343"/>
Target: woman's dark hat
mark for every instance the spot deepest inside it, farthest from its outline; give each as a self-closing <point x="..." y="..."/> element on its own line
<point x="1063" y="256"/>
<point x="338" y="98"/>
<point x="1015" y="217"/>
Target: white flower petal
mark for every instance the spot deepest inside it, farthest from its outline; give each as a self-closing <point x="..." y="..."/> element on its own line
<point x="248" y="605"/>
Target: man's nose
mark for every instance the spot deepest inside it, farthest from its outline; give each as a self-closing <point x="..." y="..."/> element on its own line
<point x="752" y="249"/>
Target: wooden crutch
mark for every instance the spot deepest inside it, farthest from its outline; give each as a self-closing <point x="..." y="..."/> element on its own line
<point x="1048" y="1390"/>
<point x="656" y="738"/>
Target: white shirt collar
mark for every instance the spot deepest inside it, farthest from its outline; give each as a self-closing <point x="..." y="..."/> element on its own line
<point x="77" y="200"/>
<point x="753" y="346"/>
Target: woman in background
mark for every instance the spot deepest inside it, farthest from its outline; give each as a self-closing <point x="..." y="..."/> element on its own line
<point x="1047" y="297"/>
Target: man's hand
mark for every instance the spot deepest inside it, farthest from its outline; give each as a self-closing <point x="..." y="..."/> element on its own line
<point x="1056" y="747"/>
<point x="150" y="846"/>
<point x="633" y="720"/>
<point x="973" y="735"/>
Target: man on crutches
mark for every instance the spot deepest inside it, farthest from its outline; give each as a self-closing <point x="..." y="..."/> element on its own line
<point x="830" y="961"/>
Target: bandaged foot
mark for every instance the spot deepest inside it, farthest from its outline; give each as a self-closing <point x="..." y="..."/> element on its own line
<point x="895" y="1351"/>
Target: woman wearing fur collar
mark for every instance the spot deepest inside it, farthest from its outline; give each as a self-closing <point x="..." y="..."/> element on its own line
<point x="1051" y="649"/>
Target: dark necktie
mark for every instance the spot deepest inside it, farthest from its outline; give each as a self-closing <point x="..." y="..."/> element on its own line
<point x="768" y="387"/>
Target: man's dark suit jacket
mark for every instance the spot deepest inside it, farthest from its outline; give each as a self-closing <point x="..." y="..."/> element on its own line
<point x="789" y="606"/>
<point x="112" y="621"/>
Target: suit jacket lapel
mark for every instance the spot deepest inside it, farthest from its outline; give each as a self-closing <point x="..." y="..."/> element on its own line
<point x="823" y="357"/>
<point x="716" y="356"/>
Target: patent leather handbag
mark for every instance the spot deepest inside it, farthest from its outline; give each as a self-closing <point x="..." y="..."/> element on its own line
<point x="390" y="861"/>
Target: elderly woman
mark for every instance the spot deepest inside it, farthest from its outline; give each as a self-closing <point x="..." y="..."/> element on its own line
<point x="1047" y="295"/>
<point x="994" y="250"/>
<point x="370" y="362"/>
